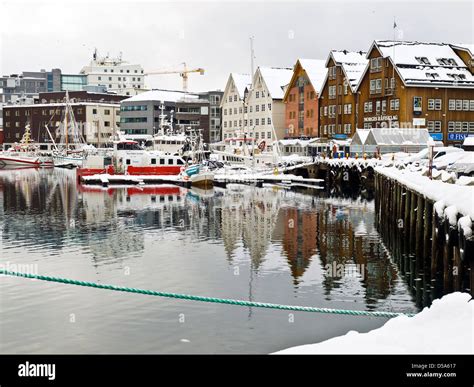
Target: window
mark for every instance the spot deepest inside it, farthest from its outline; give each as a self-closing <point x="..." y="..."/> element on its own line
<point x="384" y="106"/>
<point x="434" y="104"/>
<point x="345" y="88"/>
<point x="459" y="104"/>
<point x="368" y="107"/>
<point x="465" y="105"/>
<point x="269" y="121"/>
<point x="377" y="107"/>
<point x="153" y="161"/>
<point x="471" y="105"/>
<point x="452" y="104"/>
<point x="257" y="122"/>
<point x="257" y="94"/>
<point x="375" y="65"/>
<point x="263" y="107"/>
<point x="394" y="104"/>
<point x="422" y="60"/>
<point x="269" y="106"/>
<point x="450" y="126"/>
<point x="107" y="112"/>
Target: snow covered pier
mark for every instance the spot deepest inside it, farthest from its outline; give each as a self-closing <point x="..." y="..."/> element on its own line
<point x="259" y="179"/>
<point x="428" y="226"/>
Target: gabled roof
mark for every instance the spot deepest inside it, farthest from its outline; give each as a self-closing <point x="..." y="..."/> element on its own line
<point x="465" y="47"/>
<point x="360" y="136"/>
<point x="275" y="79"/>
<point x="426" y="64"/>
<point x="315" y="70"/>
<point x="353" y="64"/>
<point x="241" y="83"/>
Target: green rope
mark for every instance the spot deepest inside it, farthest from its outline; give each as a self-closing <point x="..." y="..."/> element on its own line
<point x="204" y="299"/>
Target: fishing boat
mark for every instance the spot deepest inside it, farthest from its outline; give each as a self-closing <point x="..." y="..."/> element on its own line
<point x="129" y="158"/>
<point x="25" y="154"/>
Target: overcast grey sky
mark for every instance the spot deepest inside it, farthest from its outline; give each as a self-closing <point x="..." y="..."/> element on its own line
<point x="210" y="34"/>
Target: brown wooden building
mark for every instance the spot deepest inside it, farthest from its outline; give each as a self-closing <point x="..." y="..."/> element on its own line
<point x="301" y="98"/>
<point x="414" y="84"/>
<point x="338" y="98"/>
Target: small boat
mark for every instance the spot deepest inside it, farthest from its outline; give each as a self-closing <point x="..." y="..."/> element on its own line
<point x="18" y="159"/>
<point x="199" y="176"/>
<point x="25" y="154"/>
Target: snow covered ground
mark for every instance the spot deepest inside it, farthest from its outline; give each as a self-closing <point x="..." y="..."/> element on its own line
<point x="447" y="327"/>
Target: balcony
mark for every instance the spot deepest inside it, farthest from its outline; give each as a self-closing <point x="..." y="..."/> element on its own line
<point x="390" y="91"/>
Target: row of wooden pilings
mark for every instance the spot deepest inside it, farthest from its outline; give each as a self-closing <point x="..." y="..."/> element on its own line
<point x="433" y="255"/>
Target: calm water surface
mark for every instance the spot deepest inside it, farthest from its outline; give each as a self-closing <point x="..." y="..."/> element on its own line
<point x="262" y="244"/>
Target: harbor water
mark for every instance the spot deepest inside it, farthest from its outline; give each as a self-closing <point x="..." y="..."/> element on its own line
<point x="265" y="244"/>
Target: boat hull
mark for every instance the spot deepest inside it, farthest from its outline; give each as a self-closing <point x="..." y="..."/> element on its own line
<point x="7" y="161"/>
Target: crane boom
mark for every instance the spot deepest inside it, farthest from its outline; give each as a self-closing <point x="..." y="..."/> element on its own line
<point x="183" y="73"/>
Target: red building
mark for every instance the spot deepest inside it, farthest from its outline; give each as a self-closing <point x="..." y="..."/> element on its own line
<point x="301" y="98"/>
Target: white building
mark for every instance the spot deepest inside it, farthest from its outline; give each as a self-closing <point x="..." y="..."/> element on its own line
<point x="115" y="74"/>
<point x="265" y="116"/>
<point x="232" y="104"/>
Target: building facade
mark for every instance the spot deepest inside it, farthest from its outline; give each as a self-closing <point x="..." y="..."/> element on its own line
<point x="415" y="84"/>
<point x="264" y="109"/>
<point x="97" y="117"/>
<point x="232" y="105"/>
<point x="338" y="99"/>
<point x="202" y="113"/>
<point x="301" y="98"/>
<point x="140" y="114"/>
<point x="116" y="74"/>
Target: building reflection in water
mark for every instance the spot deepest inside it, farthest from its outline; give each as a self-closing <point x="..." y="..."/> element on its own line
<point x="50" y="209"/>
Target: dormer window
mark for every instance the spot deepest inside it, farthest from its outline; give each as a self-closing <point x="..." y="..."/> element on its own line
<point x="432" y="75"/>
<point x="423" y="60"/>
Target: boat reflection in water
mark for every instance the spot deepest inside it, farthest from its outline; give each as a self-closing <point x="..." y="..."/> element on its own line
<point x="265" y="244"/>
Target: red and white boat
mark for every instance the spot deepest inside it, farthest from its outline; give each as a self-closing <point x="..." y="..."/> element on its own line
<point x="25" y="154"/>
<point x="128" y="158"/>
<point x="19" y="159"/>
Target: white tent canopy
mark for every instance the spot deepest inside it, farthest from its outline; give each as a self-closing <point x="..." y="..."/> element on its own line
<point x="387" y="140"/>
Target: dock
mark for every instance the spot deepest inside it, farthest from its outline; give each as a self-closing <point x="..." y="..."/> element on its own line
<point x="220" y="180"/>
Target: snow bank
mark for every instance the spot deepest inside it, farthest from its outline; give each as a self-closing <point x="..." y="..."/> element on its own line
<point x="444" y="328"/>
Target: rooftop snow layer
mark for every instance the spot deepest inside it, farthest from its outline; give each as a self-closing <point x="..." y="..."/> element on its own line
<point x="316" y="71"/>
<point x="241" y="82"/>
<point x="275" y="79"/>
<point x="427" y="63"/>
<point x="161" y="95"/>
<point x="352" y="63"/>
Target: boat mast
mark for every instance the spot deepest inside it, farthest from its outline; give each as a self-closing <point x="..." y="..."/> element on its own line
<point x="65" y="120"/>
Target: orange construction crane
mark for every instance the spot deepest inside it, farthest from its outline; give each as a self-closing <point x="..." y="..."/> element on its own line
<point x="182" y="73"/>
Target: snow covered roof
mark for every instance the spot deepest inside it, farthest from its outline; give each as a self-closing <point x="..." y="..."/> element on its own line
<point x="420" y="64"/>
<point x="241" y="82"/>
<point x="297" y="142"/>
<point x="161" y="95"/>
<point x="275" y="79"/>
<point x="464" y="46"/>
<point x="397" y="136"/>
<point x="316" y="71"/>
<point x="353" y="63"/>
<point x="360" y="136"/>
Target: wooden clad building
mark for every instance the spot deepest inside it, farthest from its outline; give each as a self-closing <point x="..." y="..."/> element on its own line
<point x="415" y="84"/>
<point x="301" y="98"/>
<point x="338" y="98"/>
